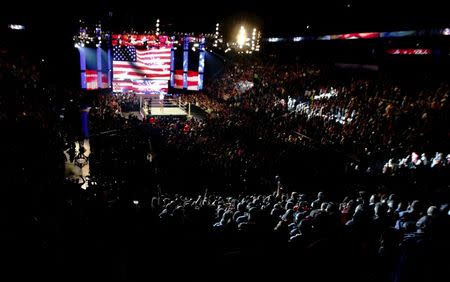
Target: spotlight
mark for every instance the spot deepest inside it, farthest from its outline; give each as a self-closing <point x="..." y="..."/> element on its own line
<point x="241" y="37"/>
<point x="16" y="27"/>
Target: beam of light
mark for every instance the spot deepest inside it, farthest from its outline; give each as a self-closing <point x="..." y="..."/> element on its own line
<point x="16" y="27"/>
<point x="241" y="37"/>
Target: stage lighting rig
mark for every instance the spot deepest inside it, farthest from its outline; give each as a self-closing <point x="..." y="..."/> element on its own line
<point x="16" y="27"/>
<point x="216" y="35"/>
<point x="157" y="27"/>
<point x="87" y="37"/>
<point x="246" y="43"/>
<point x="241" y="37"/>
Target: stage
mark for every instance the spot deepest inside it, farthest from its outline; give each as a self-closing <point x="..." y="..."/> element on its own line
<point x="167" y="111"/>
<point x="153" y="106"/>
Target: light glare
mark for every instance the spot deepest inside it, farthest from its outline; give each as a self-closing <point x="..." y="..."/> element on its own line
<point x="242" y="37"/>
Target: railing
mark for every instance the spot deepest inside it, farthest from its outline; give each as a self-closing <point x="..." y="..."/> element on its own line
<point x="167" y="102"/>
<point x="185" y="106"/>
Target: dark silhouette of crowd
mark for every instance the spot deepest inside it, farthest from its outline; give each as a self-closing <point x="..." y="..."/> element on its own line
<point x="234" y="194"/>
<point x="371" y="115"/>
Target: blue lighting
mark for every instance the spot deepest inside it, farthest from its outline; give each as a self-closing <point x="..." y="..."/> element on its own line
<point x="83" y="67"/>
<point x="201" y="63"/>
<point x="99" y="67"/>
<point x="172" y="67"/>
<point x="185" y="61"/>
<point x="109" y="68"/>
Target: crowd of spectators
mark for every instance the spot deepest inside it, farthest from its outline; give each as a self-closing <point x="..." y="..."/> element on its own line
<point x="414" y="161"/>
<point x="368" y="115"/>
<point x="106" y="112"/>
<point x="142" y="210"/>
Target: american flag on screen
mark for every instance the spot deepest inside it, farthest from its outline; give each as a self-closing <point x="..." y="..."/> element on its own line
<point x="144" y="71"/>
<point x="149" y="86"/>
<point x="132" y="63"/>
<point x="91" y="79"/>
<point x="192" y="80"/>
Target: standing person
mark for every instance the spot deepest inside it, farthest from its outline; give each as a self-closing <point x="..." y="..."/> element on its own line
<point x="161" y="101"/>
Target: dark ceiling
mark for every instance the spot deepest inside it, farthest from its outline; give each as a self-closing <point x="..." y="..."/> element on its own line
<point x="273" y="17"/>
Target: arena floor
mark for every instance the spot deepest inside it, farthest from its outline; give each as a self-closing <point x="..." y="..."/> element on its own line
<point x="167" y="111"/>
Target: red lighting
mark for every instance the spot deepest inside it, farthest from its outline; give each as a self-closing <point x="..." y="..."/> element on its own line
<point x="409" y="51"/>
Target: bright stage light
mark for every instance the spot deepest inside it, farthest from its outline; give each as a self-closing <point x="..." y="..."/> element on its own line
<point x="241" y="37"/>
<point x="16" y="27"/>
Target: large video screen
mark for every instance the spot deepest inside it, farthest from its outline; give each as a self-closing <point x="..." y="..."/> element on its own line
<point x="146" y="64"/>
<point x="141" y="64"/>
<point x="94" y="66"/>
<point x="189" y="65"/>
